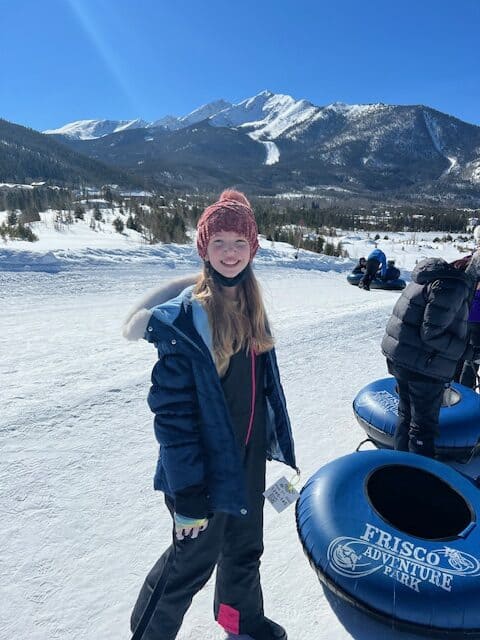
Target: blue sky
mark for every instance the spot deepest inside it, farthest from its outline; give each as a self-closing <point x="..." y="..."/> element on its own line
<point x="66" y="60"/>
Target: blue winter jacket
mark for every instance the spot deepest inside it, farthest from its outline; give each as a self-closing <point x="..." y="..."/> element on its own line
<point x="192" y="421"/>
<point x="378" y="254"/>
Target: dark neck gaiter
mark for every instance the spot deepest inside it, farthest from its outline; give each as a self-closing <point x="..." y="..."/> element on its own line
<point x="228" y="282"/>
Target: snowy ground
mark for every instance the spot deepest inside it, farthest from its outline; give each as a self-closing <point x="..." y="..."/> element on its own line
<point x="80" y="525"/>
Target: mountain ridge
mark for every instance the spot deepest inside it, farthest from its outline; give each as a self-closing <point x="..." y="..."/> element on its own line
<point x="27" y="155"/>
<point x="273" y="143"/>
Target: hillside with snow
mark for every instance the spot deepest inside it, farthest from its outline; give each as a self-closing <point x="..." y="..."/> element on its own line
<point x="84" y="243"/>
<point x="27" y="156"/>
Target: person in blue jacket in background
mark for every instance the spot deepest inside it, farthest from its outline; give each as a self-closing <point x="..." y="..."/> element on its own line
<point x="376" y="260"/>
<point x="220" y="413"/>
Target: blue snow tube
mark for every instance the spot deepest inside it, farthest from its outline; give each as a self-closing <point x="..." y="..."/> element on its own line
<point x="396" y="535"/>
<point x="390" y="285"/>
<point x="375" y="408"/>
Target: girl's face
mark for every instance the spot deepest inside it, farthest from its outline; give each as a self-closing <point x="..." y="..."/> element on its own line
<point x="228" y="252"/>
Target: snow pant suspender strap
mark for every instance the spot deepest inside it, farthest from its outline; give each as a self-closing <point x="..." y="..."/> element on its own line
<point x="154" y="598"/>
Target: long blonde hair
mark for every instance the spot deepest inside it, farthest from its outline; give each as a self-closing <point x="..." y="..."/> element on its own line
<point x="235" y="324"/>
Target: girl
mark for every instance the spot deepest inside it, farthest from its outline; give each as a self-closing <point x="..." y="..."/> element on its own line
<point x="220" y="413"/>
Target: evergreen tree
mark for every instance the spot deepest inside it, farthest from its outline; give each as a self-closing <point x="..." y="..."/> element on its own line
<point x="12" y="218"/>
<point x="118" y="224"/>
<point x="132" y="223"/>
<point x="97" y="214"/>
<point x="79" y="212"/>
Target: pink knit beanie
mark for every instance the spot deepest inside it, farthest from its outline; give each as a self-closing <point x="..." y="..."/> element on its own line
<point x="232" y="212"/>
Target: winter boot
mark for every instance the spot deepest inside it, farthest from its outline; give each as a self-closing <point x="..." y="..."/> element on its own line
<point x="266" y="630"/>
<point x="363" y="284"/>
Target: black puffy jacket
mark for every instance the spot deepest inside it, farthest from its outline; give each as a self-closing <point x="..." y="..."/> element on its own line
<point x="427" y="332"/>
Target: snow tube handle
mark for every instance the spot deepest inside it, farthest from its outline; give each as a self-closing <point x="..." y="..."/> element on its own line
<point x="468" y="529"/>
<point x="360" y="445"/>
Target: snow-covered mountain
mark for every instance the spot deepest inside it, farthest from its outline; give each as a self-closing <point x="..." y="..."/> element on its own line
<point x="91" y="129"/>
<point x="267" y="114"/>
<point x="173" y="123"/>
<point x="275" y="143"/>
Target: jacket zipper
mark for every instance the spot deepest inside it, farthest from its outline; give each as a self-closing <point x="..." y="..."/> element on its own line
<point x="254" y="393"/>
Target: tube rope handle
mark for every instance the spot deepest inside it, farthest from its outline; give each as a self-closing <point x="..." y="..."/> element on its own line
<point x="363" y="442"/>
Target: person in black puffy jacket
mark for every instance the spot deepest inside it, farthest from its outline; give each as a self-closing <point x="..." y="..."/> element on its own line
<point x="425" y="337"/>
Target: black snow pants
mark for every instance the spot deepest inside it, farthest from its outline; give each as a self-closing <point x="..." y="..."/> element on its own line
<point x="371" y="271"/>
<point x="419" y="403"/>
<point x="234" y="545"/>
<point x="469" y="370"/>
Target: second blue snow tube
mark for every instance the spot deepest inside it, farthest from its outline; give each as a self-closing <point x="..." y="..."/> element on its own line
<point x="396" y="535"/>
<point x="375" y="407"/>
<point x="389" y="285"/>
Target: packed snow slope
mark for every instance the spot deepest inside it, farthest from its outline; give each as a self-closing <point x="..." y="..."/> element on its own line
<point x="80" y="524"/>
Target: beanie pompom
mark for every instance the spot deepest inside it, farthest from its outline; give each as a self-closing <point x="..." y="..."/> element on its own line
<point x="231" y="194"/>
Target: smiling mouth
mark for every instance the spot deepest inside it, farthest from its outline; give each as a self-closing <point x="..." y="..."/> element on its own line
<point x="231" y="264"/>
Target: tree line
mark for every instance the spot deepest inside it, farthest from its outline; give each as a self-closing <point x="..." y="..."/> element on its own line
<point x="167" y="218"/>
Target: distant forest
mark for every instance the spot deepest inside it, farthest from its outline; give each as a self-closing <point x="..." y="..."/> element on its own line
<point x="274" y="214"/>
<point x="303" y="222"/>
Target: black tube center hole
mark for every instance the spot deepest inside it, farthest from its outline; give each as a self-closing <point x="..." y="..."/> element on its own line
<point x="417" y="502"/>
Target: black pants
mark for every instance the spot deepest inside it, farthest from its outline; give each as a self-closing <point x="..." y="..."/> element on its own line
<point x="234" y="545"/>
<point x="419" y="403"/>
<point x="467" y="371"/>
<point x="468" y="375"/>
<point x="370" y="272"/>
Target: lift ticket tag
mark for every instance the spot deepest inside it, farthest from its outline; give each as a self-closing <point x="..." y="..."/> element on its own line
<point x="281" y="494"/>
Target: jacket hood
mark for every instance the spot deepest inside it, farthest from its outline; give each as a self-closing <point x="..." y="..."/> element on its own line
<point x="433" y="269"/>
<point x="136" y="322"/>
